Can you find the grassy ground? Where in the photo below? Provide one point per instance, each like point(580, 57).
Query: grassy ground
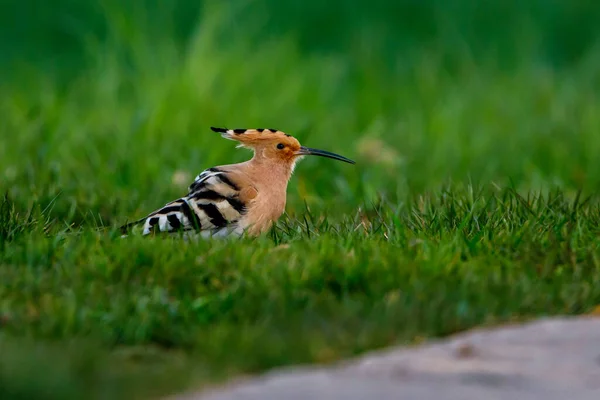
point(473, 200)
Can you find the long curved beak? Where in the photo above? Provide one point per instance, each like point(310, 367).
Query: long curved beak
point(307, 151)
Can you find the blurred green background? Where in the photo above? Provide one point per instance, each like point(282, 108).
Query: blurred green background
point(105, 109)
point(109, 102)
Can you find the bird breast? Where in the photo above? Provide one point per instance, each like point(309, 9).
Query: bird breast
point(263, 211)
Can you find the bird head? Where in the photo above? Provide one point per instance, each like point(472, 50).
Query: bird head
point(275, 145)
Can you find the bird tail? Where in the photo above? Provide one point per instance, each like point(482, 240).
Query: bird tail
point(127, 227)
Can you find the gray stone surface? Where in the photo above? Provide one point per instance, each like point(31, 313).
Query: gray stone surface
point(550, 359)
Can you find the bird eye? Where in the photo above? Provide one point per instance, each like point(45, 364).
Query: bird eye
point(280, 146)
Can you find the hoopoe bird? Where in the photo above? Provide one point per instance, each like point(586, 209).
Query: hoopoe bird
point(236, 199)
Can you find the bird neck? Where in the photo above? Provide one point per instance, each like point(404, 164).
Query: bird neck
point(273, 172)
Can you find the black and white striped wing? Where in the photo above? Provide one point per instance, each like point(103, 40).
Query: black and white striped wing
point(212, 207)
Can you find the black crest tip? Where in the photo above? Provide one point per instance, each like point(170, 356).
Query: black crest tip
point(221, 130)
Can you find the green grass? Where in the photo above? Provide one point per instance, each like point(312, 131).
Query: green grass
point(474, 200)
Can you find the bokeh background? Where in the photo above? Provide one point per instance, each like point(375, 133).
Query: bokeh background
point(106, 105)
point(105, 109)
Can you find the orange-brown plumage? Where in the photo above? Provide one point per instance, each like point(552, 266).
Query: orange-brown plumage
point(238, 198)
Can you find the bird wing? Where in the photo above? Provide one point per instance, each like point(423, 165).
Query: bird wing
point(214, 205)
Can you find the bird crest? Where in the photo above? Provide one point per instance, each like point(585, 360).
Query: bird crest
point(274, 144)
point(253, 137)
